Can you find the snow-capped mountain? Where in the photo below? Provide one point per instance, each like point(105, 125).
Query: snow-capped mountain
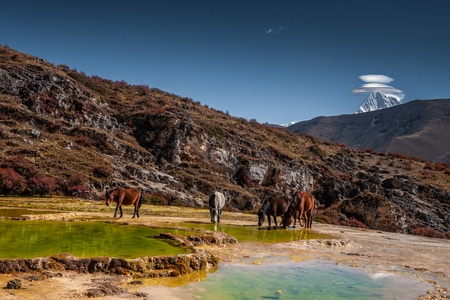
point(379, 100)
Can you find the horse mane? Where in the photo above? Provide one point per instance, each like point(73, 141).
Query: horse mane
point(266, 205)
point(294, 203)
point(211, 197)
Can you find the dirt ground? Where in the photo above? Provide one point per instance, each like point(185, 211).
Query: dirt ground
point(424, 257)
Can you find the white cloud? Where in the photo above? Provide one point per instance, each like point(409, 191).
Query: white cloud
point(279, 29)
point(377, 83)
point(376, 78)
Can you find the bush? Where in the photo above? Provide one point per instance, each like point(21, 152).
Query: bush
point(20, 164)
point(155, 199)
point(356, 223)
point(11, 182)
point(42, 185)
point(85, 141)
point(103, 171)
point(76, 180)
point(316, 150)
point(429, 232)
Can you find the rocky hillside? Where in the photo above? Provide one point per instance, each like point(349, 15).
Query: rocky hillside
point(61, 130)
point(418, 128)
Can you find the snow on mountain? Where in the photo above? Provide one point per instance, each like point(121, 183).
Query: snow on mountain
point(378, 100)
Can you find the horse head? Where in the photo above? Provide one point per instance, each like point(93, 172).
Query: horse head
point(263, 211)
point(109, 195)
point(214, 215)
point(261, 217)
point(288, 217)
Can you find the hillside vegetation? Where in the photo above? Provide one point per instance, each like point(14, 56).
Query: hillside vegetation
point(61, 131)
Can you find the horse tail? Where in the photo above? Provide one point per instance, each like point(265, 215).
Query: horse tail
point(141, 198)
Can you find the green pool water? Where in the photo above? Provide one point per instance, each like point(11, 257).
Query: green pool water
point(306, 280)
point(247, 234)
point(29, 239)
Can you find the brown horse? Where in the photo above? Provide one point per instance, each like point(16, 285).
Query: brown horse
point(301, 206)
point(123, 196)
point(272, 207)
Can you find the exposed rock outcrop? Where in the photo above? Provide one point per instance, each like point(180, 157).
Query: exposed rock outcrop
point(61, 130)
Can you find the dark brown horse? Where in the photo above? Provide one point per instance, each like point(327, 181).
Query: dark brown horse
point(272, 207)
point(123, 196)
point(301, 206)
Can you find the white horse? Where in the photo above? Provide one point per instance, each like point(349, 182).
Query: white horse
point(216, 204)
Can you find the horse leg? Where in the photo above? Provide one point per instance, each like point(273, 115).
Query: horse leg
point(299, 217)
point(121, 211)
point(115, 211)
point(219, 212)
point(309, 218)
point(136, 211)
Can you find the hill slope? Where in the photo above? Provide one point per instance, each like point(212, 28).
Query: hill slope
point(418, 128)
point(61, 130)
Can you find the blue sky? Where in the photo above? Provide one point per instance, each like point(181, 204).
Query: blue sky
point(273, 61)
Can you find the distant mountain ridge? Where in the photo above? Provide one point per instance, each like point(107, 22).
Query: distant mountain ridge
point(418, 128)
point(378, 100)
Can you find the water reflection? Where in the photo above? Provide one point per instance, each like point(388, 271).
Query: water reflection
point(269, 234)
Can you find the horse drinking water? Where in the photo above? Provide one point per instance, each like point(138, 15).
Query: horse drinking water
point(301, 206)
point(123, 196)
point(272, 207)
point(216, 204)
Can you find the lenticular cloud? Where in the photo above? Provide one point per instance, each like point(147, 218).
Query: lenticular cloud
point(378, 83)
point(376, 78)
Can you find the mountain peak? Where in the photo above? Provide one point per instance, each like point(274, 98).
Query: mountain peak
point(378, 100)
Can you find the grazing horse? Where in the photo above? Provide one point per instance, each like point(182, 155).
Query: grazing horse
point(123, 196)
point(272, 206)
point(301, 206)
point(216, 204)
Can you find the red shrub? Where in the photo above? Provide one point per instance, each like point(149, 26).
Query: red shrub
point(85, 141)
point(11, 182)
point(76, 179)
point(42, 185)
point(356, 223)
point(20, 164)
point(429, 232)
point(103, 171)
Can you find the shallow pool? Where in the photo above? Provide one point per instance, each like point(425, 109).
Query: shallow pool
point(305, 280)
point(29, 239)
point(245, 234)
